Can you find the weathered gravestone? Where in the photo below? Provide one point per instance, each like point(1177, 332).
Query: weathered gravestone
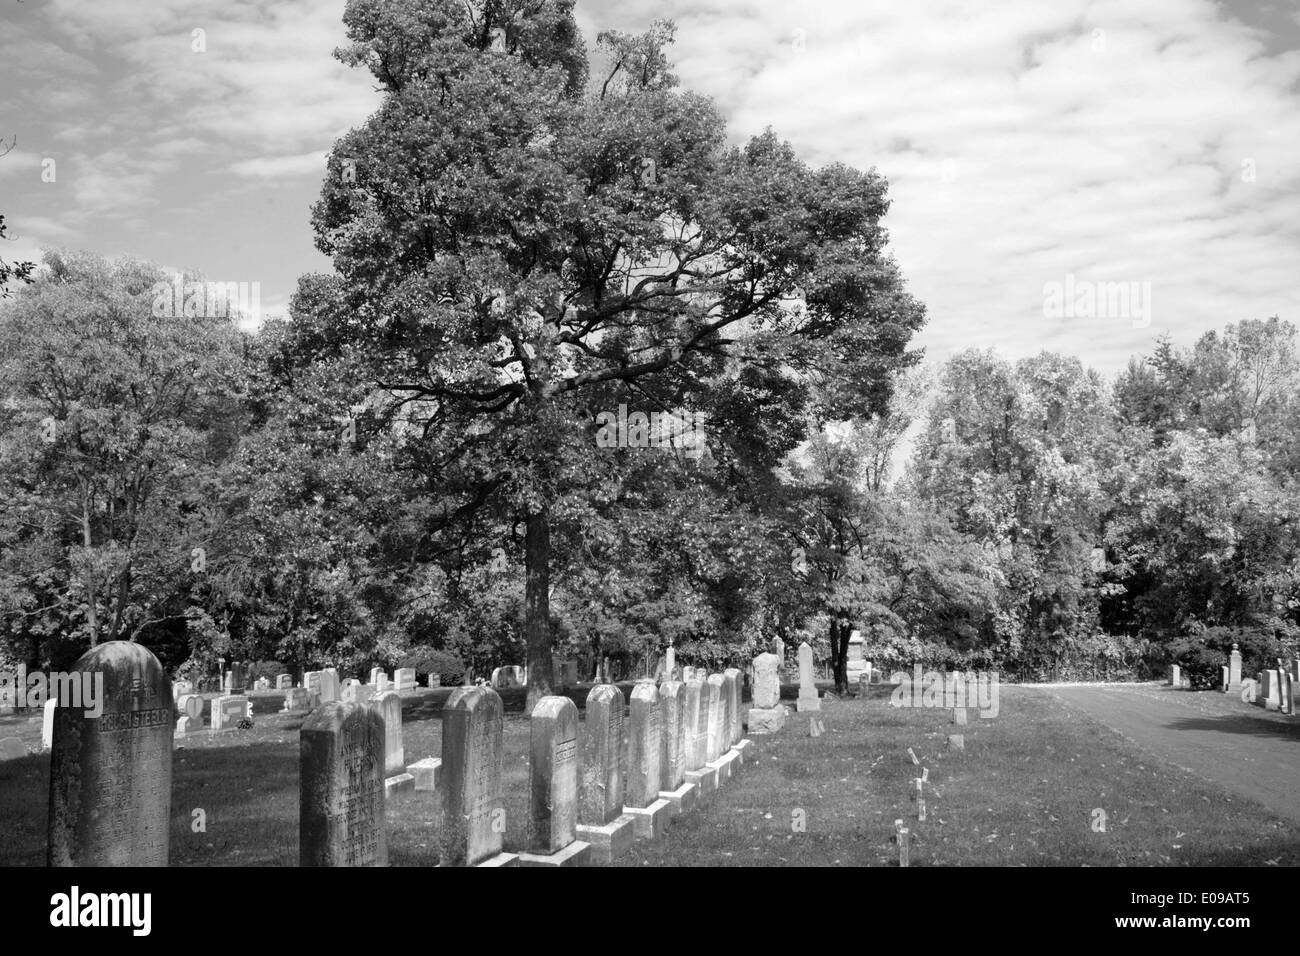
point(283, 681)
point(329, 685)
point(717, 717)
point(553, 732)
point(297, 698)
point(670, 662)
point(229, 710)
point(312, 681)
point(766, 715)
point(1269, 694)
point(672, 760)
point(600, 803)
point(698, 771)
point(341, 788)
point(404, 678)
point(189, 708)
point(111, 775)
point(180, 687)
point(650, 813)
point(731, 679)
point(473, 820)
point(1234, 671)
point(389, 707)
point(602, 746)
point(807, 688)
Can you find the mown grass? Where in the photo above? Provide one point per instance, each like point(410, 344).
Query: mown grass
point(1022, 793)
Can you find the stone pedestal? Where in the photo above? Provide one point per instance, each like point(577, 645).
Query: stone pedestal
point(576, 853)
point(766, 721)
point(425, 773)
point(608, 841)
point(650, 822)
point(682, 799)
point(705, 780)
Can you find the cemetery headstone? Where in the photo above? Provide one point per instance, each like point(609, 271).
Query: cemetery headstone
point(283, 681)
point(601, 800)
point(807, 689)
point(1234, 671)
point(473, 823)
point(229, 710)
point(341, 787)
point(404, 678)
point(554, 745)
point(645, 776)
point(766, 715)
point(672, 725)
point(389, 707)
point(694, 715)
point(47, 723)
point(111, 775)
point(731, 686)
point(717, 717)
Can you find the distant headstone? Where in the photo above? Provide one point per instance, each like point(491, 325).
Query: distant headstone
point(694, 716)
point(718, 745)
point(767, 681)
point(229, 710)
point(180, 687)
point(1227, 678)
point(191, 705)
point(1269, 694)
point(1249, 691)
point(601, 800)
point(283, 681)
point(341, 788)
point(297, 698)
point(111, 775)
point(554, 744)
point(473, 820)
point(329, 685)
point(404, 678)
point(706, 723)
point(778, 648)
point(1175, 676)
point(238, 678)
point(389, 707)
point(313, 681)
point(375, 674)
point(1234, 671)
point(807, 689)
point(261, 684)
point(672, 728)
point(644, 749)
point(731, 689)
point(670, 662)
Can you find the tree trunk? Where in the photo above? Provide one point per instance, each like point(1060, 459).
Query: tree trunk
point(537, 605)
point(839, 642)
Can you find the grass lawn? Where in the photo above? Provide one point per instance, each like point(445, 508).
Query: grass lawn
point(1021, 794)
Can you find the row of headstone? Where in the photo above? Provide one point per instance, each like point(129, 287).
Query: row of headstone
point(511, 675)
point(580, 803)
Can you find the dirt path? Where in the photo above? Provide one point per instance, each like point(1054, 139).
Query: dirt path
point(1237, 746)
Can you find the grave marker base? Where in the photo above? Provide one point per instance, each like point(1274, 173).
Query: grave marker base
point(705, 780)
point(576, 853)
point(399, 782)
point(610, 841)
point(426, 773)
point(650, 823)
point(766, 720)
point(682, 799)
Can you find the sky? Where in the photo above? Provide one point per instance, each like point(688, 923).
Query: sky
point(1037, 152)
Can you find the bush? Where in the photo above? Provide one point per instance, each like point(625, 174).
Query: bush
point(445, 664)
point(1201, 664)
